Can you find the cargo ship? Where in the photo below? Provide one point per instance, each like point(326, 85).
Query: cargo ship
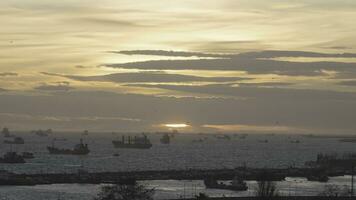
point(79, 149)
point(135, 143)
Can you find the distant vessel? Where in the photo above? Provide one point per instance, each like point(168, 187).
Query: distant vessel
point(336, 161)
point(12, 158)
point(352, 140)
point(17, 140)
point(43, 133)
point(27, 155)
point(137, 142)
point(79, 149)
point(223, 137)
point(198, 141)
point(86, 132)
point(165, 139)
point(236, 185)
point(5, 131)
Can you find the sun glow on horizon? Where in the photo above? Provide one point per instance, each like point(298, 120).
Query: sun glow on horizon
point(176, 125)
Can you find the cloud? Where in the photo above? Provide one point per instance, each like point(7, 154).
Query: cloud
point(226, 46)
point(151, 77)
point(78, 67)
point(168, 53)
point(250, 91)
point(319, 111)
point(276, 54)
point(245, 128)
point(65, 118)
point(107, 22)
point(348, 83)
point(252, 62)
point(57, 86)
point(8, 74)
point(338, 47)
point(265, 84)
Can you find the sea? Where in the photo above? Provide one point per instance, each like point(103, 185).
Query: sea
point(186, 151)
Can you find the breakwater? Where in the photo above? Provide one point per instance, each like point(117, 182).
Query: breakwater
point(7, 178)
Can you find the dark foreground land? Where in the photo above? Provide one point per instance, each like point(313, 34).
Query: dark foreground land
point(280, 198)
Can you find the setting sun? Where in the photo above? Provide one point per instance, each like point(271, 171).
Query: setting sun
point(176, 125)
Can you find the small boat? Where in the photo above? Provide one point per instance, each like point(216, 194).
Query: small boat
point(16, 140)
point(12, 158)
point(116, 155)
point(236, 185)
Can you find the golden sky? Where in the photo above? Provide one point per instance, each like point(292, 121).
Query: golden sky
point(227, 65)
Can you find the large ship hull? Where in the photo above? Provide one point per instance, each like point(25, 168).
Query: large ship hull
point(13, 142)
point(53, 150)
point(119, 144)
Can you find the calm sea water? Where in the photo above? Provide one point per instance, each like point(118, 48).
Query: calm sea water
point(182, 153)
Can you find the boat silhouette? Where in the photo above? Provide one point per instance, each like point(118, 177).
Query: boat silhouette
point(16, 140)
point(135, 143)
point(79, 149)
point(165, 139)
point(12, 158)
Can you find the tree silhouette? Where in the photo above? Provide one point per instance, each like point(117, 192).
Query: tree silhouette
point(125, 192)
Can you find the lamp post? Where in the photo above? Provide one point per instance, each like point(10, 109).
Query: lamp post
point(352, 180)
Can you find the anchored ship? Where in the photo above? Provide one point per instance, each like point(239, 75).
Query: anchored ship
point(165, 139)
point(344, 161)
point(135, 143)
point(17, 140)
point(5, 131)
point(79, 149)
point(27, 155)
point(12, 158)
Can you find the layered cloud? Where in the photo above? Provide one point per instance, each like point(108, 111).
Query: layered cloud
point(149, 77)
point(58, 86)
point(253, 63)
point(4, 74)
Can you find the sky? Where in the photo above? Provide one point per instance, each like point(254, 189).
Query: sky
point(242, 66)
